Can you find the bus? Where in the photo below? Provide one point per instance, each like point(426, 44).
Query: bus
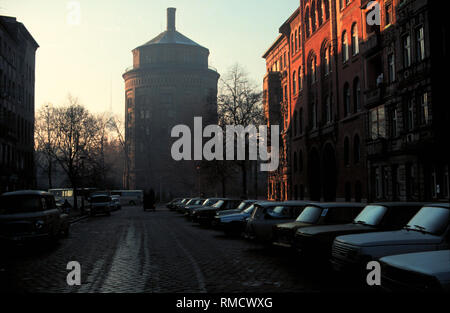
point(129, 197)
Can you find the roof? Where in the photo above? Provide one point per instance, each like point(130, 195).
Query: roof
point(399, 204)
point(171, 37)
point(273, 46)
point(27, 192)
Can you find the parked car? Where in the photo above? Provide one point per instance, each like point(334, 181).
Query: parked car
point(27, 215)
point(170, 204)
point(190, 208)
point(235, 223)
point(194, 201)
point(116, 201)
point(315, 214)
point(177, 204)
point(241, 207)
point(100, 204)
point(205, 215)
point(318, 240)
point(422, 271)
point(260, 224)
point(428, 230)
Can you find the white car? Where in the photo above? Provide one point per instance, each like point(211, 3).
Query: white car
point(422, 271)
point(428, 230)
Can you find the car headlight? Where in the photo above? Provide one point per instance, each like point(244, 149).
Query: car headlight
point(39, 224)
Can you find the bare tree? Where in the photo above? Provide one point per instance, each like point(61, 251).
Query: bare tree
point(239, 103)
point(75, 136)
point(45, 140)
point(117, 126)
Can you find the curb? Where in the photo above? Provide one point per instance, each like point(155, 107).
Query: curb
point(78, 219)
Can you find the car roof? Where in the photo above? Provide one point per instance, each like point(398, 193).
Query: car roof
point(27, 192)
point(399, 204)
point(338, 204)
point(297, 202)
point(438, 205)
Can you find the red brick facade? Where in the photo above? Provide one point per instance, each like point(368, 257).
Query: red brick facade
point(335, 87)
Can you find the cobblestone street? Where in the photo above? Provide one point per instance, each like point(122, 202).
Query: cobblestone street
point(137, 251)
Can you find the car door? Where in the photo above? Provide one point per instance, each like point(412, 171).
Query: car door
point(52, 213)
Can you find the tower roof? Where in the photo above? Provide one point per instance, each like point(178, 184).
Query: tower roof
point(171, 36)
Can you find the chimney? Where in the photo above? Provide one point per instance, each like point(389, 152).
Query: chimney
point(171, 19)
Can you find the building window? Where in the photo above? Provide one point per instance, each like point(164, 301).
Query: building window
point(377, 123)
point(355, 40)
point(292, 44)
point(319, 12)
point(346, 99)
point(420, 44)
point(328, 113)
point(295, 122)
point(313, 114)
point(326, 5)
point(312, 69)
point(307, 24)
point(409, 115)
point(300, 85)
point(294, 83)
point(346, 151)
point(388, 14)
point(391, 67)
point(356, 149)
point(299, 38)
point(357, 95)
point(406, 51)
point(424, 115)
point(296, 41)
point(344, 47)
point(394, 126)
point(300, 120)
point(326, 61)
point(313, 16)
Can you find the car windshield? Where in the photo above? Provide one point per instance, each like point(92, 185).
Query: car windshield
point(432, 220)
point(198, 202)
point(20, 204)
point(242, 205)
point(219, 204)
point(249, 210)
point(279, 210)
point(100, 199)
point(371, 215)
point(310, 215)
point(190, 202)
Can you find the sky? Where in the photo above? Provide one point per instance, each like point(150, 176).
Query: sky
point(86, 57)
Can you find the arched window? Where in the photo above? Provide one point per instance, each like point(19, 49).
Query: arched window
point(292, 44)
point(328, 113)
point(326, 6)
point(313, 113)
point(355, 39)
point(319, 12)
point(313, 16)
point(295, 121)
point(346, 99)
point(300, 161)
point(326, 61)
point(344, 47)
point(296, 40)
point(299, 38)
point(300, 84)
point(307, 24)
point(356, 95)
point(312, 69)
point(294, 83)
point(300, 121)
point(295, 162)
point(346, 151)
point(356, 149)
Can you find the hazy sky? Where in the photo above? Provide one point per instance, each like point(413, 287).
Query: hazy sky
point(88, 59)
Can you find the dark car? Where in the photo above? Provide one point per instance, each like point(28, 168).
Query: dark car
point(205, 215)
point(234, 223)
point(315, 214)
point(261, 222)
point(171, 204)
point(194, 201)
point(208, 202)
point(241, 207)
point(180, 203)
point(29, 214)
point(374, 218)
point(101, 204)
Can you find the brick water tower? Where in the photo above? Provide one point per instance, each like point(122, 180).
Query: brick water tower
point(169, 83)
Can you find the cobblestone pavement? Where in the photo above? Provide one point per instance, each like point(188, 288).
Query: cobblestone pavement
point(136, 251)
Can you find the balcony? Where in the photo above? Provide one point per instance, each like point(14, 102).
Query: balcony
point(374, 96)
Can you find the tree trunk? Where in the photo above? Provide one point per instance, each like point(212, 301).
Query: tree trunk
point(50, 183)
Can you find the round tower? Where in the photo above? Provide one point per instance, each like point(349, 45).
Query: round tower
point(169, 83)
